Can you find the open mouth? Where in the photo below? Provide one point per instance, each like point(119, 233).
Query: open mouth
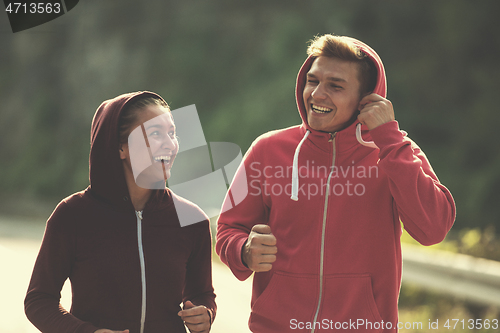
point(320, 109)
point(165, 159)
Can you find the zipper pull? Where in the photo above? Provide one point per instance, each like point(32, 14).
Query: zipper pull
point(332, 136)
point(139, 214)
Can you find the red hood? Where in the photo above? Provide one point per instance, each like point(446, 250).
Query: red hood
point(380, 87)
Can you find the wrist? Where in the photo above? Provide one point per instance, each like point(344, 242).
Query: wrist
point(244, 254)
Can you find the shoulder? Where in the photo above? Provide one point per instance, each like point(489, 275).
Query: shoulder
point(277, 136)
point(78, 208)
point(281, 140)
point(82, 204)
point(63, 217)
point(188, 212)
point(71, 202)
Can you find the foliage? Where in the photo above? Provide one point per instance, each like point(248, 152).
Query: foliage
point(474, 242)
point(419, 306)
point(237, 61)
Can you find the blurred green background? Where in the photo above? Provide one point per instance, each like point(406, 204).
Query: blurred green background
point(237, 61)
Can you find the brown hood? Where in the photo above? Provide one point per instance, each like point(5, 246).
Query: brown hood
point(107, 178)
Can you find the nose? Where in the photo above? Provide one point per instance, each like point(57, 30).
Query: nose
point(318, 92)
point(170, 142)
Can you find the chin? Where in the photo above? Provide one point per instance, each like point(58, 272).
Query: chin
point(321, 127)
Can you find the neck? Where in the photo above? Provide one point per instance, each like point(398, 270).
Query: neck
point(138, 195)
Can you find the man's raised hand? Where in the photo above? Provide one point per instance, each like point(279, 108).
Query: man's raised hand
point(375, 111)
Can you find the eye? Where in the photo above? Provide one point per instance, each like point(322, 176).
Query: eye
point(336, 87)
point(155, 133)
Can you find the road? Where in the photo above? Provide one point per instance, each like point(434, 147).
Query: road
point(19, 243)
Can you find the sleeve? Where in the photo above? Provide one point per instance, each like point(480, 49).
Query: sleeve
point(237, 218)
point(425, 206)
point(52, 268)
point(198, 288)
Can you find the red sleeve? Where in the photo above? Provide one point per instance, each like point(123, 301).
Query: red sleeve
point(199, 288)
point(234, 224)
point(52, 268)
point(424, 205)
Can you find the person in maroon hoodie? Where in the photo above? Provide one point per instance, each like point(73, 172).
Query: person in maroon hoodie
point(130, 262)
point(325, 202)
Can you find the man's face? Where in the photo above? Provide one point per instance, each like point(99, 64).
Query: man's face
point(331, 94)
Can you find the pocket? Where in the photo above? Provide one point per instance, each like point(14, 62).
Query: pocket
point(288, 298)
point(349, 298)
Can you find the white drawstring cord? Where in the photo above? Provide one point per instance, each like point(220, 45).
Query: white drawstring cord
point(370, 144)
point(295, 169)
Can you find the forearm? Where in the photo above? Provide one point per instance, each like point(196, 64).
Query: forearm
point(234, 225)
point(230, 242)
point(425, 206)
point(46, 314)
point(198, 285)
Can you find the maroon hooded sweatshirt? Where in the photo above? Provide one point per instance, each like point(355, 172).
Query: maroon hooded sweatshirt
point(127, 271)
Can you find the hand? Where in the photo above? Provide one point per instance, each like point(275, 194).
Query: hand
point(102, 330)
point(375, 111)
point(196, 318)
point(259, 251)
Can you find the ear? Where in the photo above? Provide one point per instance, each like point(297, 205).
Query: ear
point(123, 151)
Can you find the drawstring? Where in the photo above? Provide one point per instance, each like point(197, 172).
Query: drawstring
point(295, 169)
point(370, 144)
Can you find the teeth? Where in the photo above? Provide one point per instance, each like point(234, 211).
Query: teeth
point(162, 158)
point(320, 109)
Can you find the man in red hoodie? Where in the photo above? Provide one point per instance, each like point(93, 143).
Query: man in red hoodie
point(321, 220)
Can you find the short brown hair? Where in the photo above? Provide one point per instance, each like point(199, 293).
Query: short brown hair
point(343, 48)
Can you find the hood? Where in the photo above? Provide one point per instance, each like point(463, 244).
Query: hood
point(380, 87)
point(107, 178)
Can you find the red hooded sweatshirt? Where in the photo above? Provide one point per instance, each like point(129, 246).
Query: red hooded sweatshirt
point(127, 271)
point(339, 262)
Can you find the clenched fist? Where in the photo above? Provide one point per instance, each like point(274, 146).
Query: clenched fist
point(375, 111)
point(259, 251)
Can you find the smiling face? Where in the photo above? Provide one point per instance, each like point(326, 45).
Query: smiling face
point(152, 146)
point(331, 94)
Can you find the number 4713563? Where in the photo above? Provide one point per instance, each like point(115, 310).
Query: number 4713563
point(33, 8)
point(471, 324)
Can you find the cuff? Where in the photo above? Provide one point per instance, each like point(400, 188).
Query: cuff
point(387, 134)
point(239, 269)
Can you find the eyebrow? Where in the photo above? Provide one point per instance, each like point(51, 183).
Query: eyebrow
point(330, 78)
point(159, 126)
point(153, 126)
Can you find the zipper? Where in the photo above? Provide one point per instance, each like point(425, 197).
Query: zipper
point(322, 253)
point(143, 268)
